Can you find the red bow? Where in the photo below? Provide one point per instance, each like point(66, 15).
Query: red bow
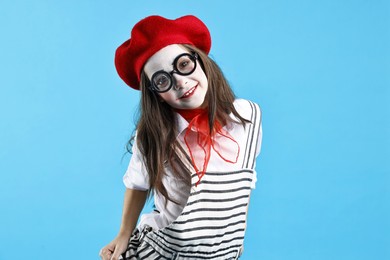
point(199, 141)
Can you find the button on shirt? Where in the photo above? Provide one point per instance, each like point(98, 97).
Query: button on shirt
point(136, 176)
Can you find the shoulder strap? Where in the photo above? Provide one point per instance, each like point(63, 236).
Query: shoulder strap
point(252, 136)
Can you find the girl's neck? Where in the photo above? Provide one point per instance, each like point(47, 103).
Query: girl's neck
point(189, 114)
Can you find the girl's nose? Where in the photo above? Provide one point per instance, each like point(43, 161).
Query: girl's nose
point(180, 81)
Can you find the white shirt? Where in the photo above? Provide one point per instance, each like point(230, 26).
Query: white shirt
point(136, 176)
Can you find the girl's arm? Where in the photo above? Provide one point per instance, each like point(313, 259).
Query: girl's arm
point(134, 201)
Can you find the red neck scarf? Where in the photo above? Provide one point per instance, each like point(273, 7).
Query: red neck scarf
point(199, 141)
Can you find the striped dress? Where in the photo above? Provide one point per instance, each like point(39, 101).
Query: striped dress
point(213, 222)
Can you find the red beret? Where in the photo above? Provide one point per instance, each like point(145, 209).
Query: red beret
point(150, 35)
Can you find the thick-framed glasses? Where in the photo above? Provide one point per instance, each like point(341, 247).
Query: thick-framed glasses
point(184, 65)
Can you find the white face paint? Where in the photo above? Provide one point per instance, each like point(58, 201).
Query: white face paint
point(190, 90)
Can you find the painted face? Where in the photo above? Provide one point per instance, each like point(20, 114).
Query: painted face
point(188, 91)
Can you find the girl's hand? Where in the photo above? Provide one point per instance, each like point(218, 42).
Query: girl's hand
point(115, 248)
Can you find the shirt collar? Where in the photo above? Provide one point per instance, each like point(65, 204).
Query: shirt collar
point(182, 124)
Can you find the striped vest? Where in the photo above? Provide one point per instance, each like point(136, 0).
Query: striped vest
point(213, 222)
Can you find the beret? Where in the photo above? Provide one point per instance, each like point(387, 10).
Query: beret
point(150, 35)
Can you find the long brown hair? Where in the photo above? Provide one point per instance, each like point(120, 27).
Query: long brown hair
point(157, 127)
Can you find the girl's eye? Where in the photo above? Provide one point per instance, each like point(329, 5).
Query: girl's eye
point(184, 64)
point(161, 81)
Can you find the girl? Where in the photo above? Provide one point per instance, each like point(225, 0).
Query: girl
point(195, 148)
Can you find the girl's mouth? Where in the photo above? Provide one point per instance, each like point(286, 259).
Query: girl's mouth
point(189, 93)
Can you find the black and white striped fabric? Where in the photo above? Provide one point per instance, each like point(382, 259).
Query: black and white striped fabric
point(213, 222)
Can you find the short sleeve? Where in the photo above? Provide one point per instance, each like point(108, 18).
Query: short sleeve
point(259, 139)
point(136, 176)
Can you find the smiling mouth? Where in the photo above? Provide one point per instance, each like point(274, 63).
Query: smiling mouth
point(189, 93)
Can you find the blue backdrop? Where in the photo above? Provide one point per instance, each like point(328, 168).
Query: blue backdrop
point(319, 69)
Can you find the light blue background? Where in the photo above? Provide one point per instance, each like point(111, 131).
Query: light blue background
point(319, 70)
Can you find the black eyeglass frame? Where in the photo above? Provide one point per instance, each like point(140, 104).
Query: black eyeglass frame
point(193, 56)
